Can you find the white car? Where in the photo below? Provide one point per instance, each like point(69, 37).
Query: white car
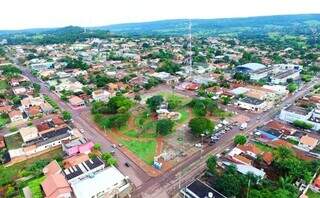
point(198, 145)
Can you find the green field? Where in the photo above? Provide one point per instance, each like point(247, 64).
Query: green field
point(14, 141)
point(35, 187)
point(3, 85)
point(145, 150)
point(184, 116)
point(263, 147)
point(312, 194)
point(3, 121)
point(169, 95)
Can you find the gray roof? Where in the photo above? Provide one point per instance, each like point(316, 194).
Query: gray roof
point(251, 66)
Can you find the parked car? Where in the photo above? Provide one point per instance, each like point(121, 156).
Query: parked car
point(198, 145)
point(127, 164)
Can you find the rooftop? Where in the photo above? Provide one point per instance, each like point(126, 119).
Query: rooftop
point(82, 168)
point(198, 189)
point(297, 110)
point(109, 178)
point(251, 66)
point(284, 74)
point(251, 100)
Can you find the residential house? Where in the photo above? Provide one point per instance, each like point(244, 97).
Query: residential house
point(75, 160)
point(101, 95)
point(2, 143)
point(76, 101)
point(30, 141)
point(19, 90)
point(15, 116)
point(76, 146)
point(308, 143)
point(55, 185)
point(46, 108)
point(29, 133)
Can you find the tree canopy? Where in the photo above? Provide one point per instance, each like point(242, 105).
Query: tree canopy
point(154, 102)
point(201, 125)
point(164, 126)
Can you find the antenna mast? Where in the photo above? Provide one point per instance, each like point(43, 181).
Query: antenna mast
point(190, 43)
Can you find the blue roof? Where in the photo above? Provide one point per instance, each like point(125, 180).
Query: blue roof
point(251, 66)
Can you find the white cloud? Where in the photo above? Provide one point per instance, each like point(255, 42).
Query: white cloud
point(17, 14)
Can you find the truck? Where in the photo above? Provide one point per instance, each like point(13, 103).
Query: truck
point(243, 126)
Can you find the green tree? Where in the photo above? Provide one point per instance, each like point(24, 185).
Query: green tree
point(240, 139)
point(212, 164)
point(154, 102)
point(164, 126)
point(112, 162)
point(119, 104)
point(292, 87)
point(303, 125)
point(173, 102)
point(97, 147)
point(226, 100)
point(169, 66)
point(200, 126)
point(66, 115)
point(36, 87)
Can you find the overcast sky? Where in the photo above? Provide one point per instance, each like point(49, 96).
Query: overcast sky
point(20, 14)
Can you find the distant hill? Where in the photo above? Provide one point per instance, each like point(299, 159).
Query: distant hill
point(250, 27)
point(68, 34)
point(226, 26)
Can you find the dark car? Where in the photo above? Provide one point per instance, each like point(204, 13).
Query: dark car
point(127, 164)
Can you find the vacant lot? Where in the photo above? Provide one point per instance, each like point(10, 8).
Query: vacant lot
point(145, 150)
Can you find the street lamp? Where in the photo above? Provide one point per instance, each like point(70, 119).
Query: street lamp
point(202, 135)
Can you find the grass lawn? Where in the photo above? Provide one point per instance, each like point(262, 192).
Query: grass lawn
point(176, 96)
point(13, 141)
point(3, 85)
point(221, 113)
point(184, 115)
point(3, 121)
point(263, 147)
point(312, 194)
point(35, 187)
point(142, 118)
point(145, 150)
point(131, 133)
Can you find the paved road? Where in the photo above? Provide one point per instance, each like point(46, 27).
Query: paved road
point(134, 172)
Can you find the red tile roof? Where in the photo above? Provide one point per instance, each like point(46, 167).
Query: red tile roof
point(267, 157)
point(57, 121)
point(251, 148)
point(282, 128)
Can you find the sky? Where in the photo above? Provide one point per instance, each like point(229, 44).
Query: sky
point(22, 14)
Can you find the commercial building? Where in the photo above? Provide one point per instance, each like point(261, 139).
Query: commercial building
point(198, 189)
point(251, 104)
